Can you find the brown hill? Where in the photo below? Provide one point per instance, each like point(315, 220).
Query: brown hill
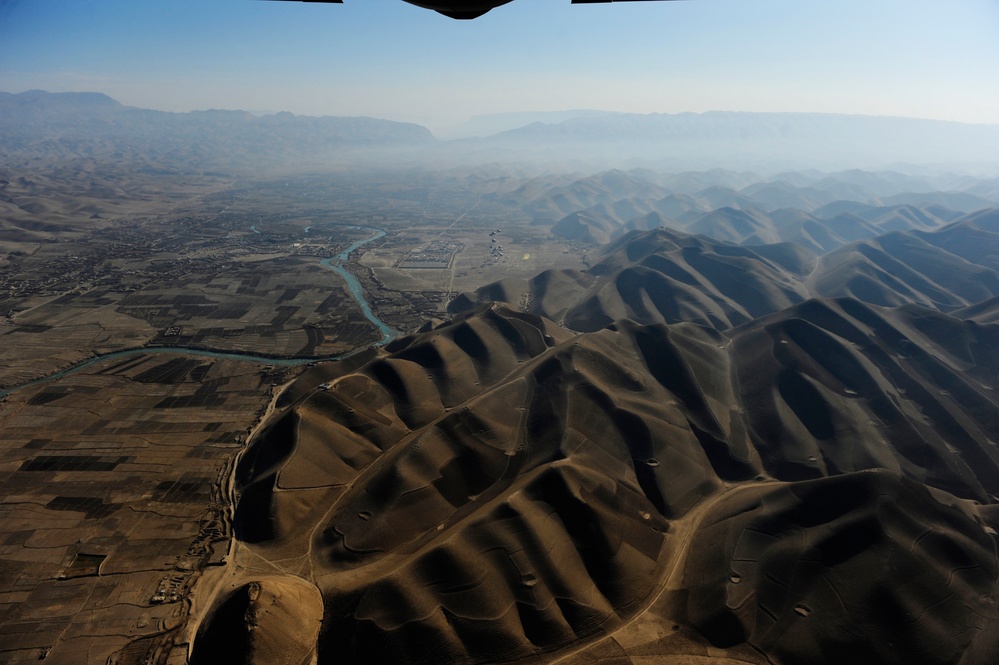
point(677, 206)
point(662, 276)
point(866, 567)
point(668, 276)
point(837, 386)
point(950, 268)
point(451, 505)
point(558, 199)
point(724, 197)
point(748, 223)
point(781, 194)
point(820, 211)
point(986, 311)
point(498, 489)
point(592, 228)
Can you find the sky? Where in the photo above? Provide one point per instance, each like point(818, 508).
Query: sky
point(384, 58)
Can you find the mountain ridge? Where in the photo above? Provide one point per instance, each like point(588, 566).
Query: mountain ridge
point(505, 489)
point(670, 276)
point(793, 139)
point(49, 128)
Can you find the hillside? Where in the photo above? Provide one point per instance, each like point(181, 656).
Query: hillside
point(670, 277)
point(500, 489)
point(693, 451)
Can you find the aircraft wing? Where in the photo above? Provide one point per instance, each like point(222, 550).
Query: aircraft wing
point(468, 9)
point(575, 2)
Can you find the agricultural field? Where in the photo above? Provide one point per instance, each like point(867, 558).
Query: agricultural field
point(116, 498)
point(118, 447)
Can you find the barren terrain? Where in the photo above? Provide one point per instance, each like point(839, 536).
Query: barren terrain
point(264, 411)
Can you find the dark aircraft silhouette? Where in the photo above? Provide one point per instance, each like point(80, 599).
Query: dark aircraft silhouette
point(467, 9)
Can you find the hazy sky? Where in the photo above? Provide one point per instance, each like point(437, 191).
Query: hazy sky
point(921, 58)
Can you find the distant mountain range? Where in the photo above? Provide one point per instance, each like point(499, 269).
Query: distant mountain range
point(760, 427)
point(817, 210)
point(42, 125)
point(798, 140)
point(495, 123)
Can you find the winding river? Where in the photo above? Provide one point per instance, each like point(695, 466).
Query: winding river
point(336, 264)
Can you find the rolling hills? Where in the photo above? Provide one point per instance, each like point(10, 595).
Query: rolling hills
point(670, 277)
point(693, 451)
point(757, 423)
point(499, 488)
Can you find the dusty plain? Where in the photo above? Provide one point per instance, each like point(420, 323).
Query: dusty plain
point(115, 501)
point(239, 269)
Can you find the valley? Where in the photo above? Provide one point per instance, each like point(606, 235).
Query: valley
point(426, 412)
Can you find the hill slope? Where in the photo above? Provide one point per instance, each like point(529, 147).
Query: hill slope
point(668, 276)
point(499, 489)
